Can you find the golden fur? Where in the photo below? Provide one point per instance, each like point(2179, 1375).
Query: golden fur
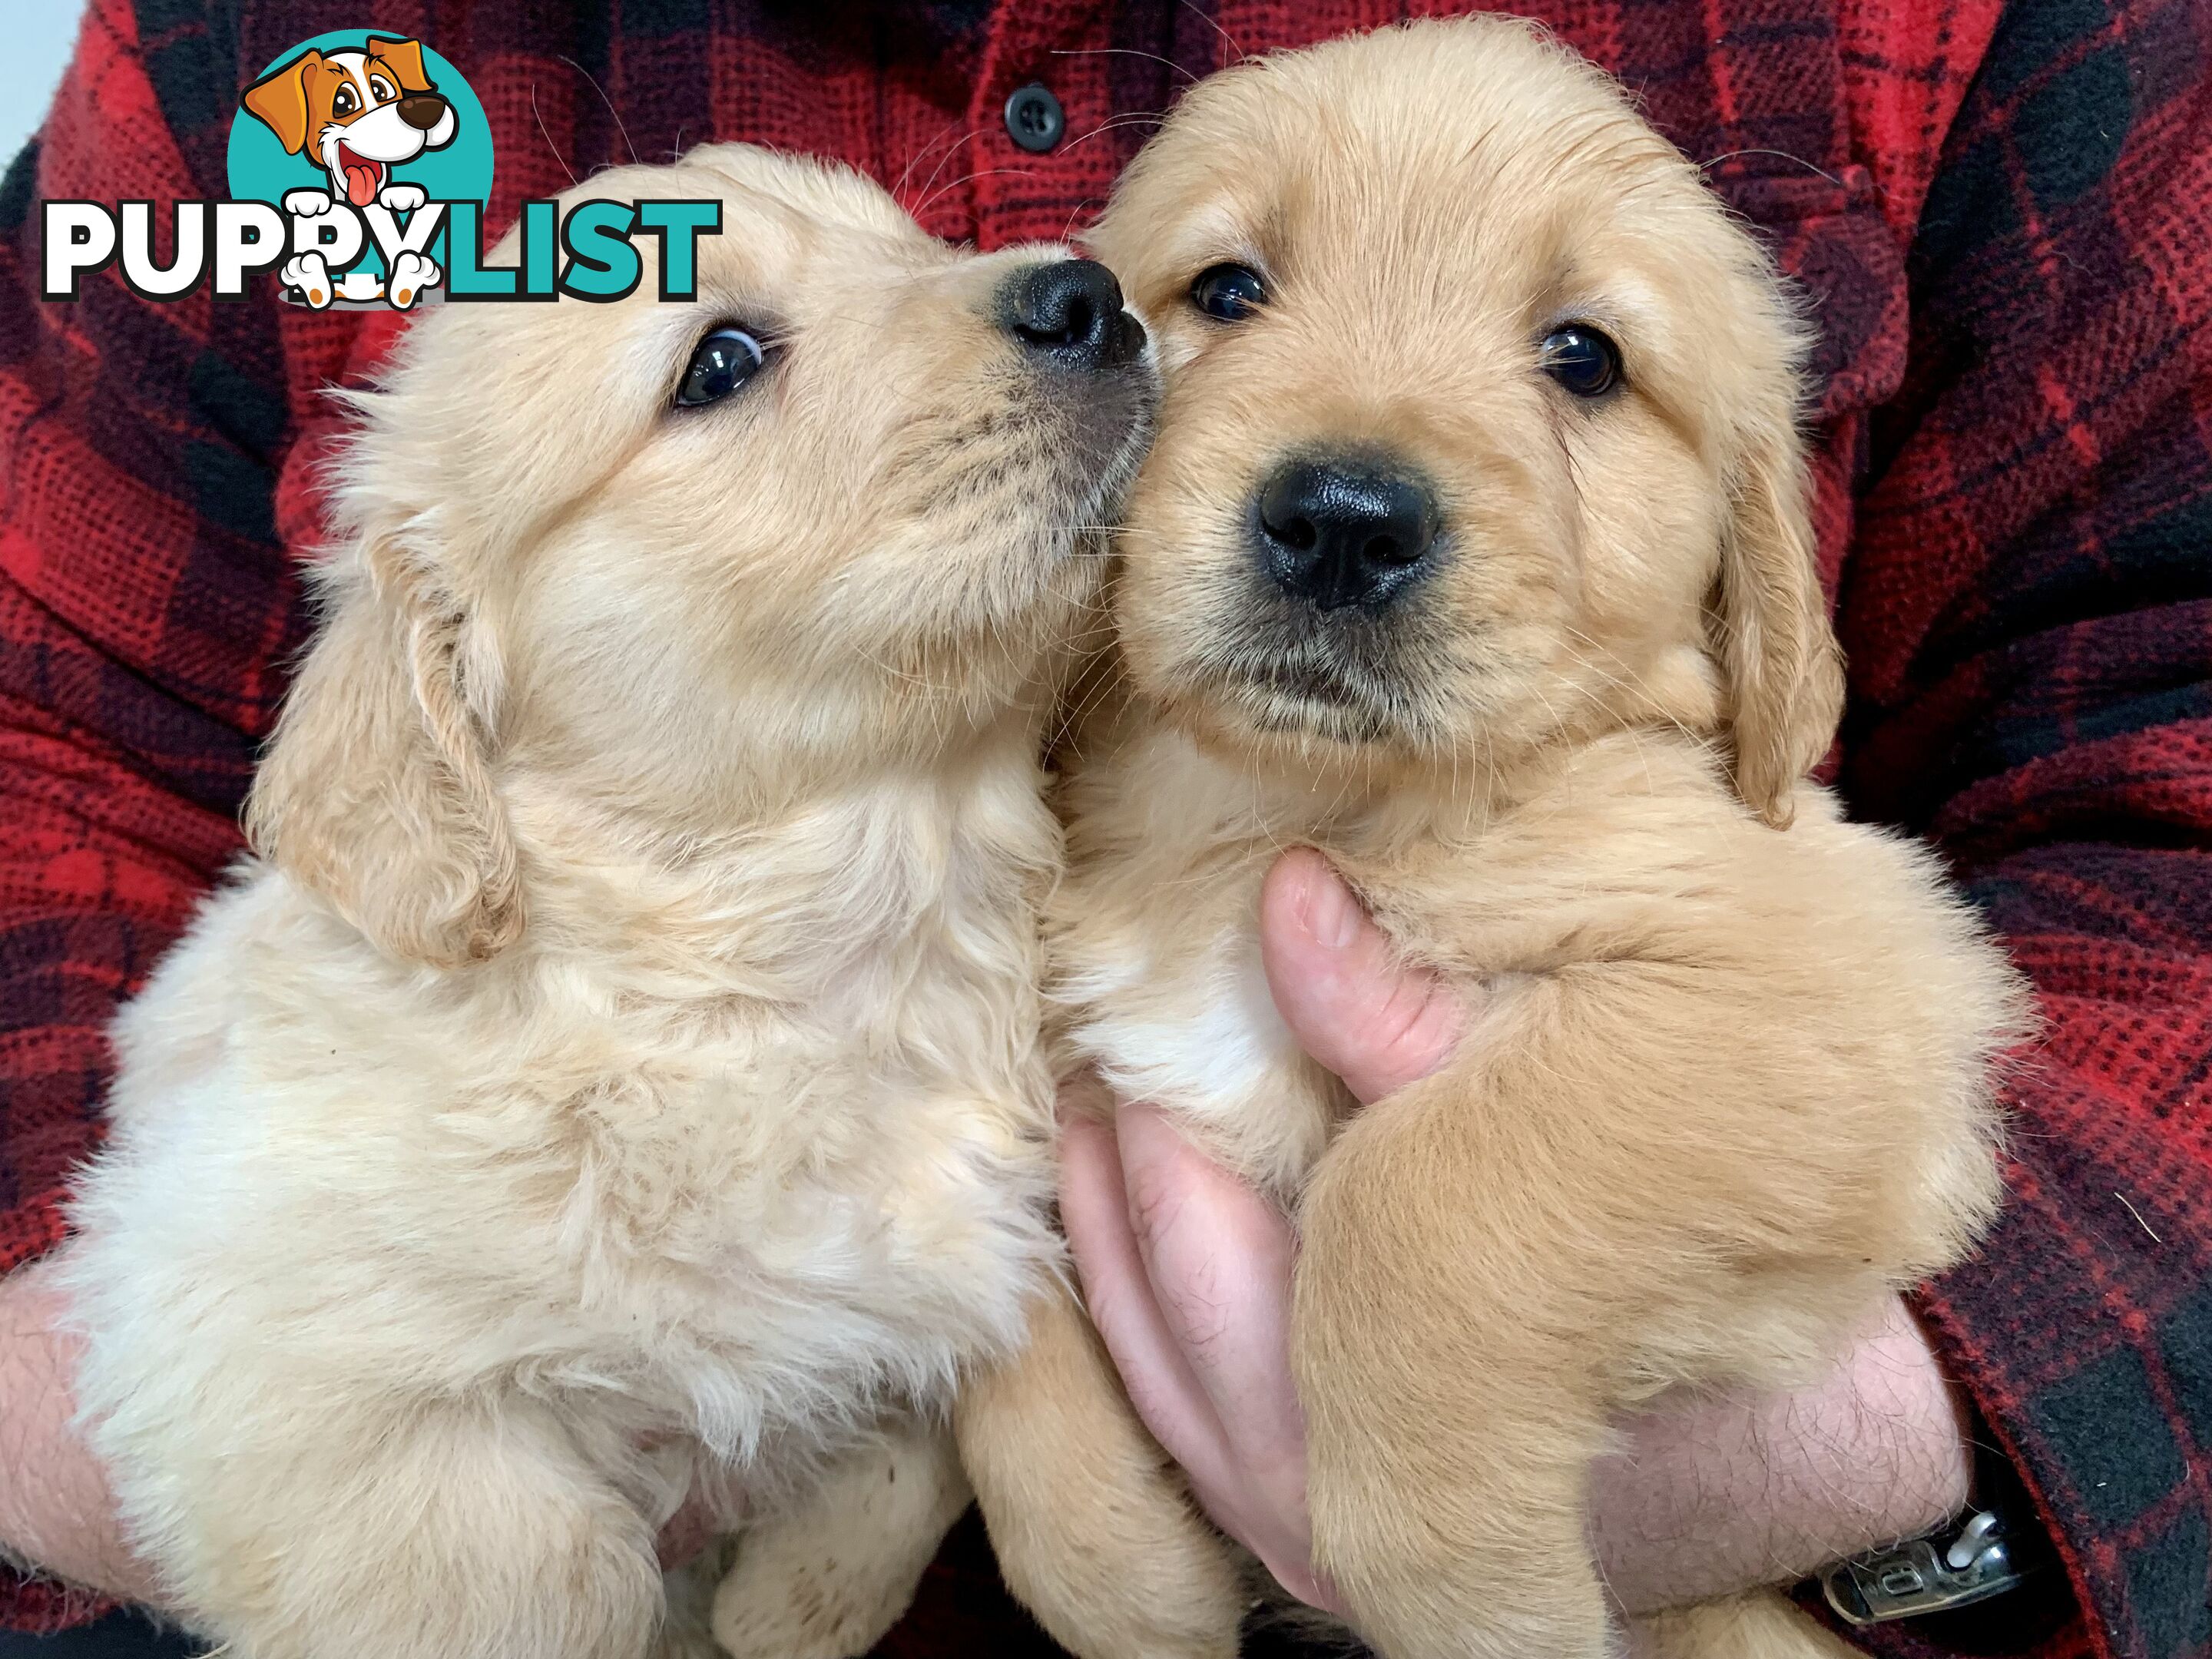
point(622, 1060)
point(1727, 1077)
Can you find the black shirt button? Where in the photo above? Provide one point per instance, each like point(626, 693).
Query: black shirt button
point(1035, 119)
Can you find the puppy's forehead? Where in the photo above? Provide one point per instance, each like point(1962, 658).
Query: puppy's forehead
point(798, 239)
point(1397, 156)
point(803, 245)
point(784, 217)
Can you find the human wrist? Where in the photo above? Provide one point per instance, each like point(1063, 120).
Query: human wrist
point(1705, 1496)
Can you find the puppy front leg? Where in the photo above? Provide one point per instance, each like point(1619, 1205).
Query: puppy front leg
point(1759, 1625)
point(1450, 1421)
point(1094, 1531)
point(407, 1530)
point(827, 1577)
point(1634, 1174)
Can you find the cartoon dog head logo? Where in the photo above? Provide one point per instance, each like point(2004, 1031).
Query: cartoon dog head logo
point(365, 142)
point(358, 114)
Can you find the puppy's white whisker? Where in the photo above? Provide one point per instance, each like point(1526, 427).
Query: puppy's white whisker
point(1125, 52)
point(936, 172)
point(1115, 124)
point(906, 173)
point(1227, 39)
point(1780, 155)
point(951, 184)
point(547, 137)
point(619, 125)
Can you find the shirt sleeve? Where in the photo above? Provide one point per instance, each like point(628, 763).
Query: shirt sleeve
point(2028, 610)
point(147, 607)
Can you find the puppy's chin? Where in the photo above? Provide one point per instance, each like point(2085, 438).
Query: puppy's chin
point(1262, 680)
point(1412, 691)
point(1288, 682)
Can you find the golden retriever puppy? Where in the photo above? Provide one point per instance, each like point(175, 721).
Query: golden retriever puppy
point(1473, 551)
point(621, 1063)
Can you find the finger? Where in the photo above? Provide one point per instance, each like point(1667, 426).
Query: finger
point(1156, 1373)
point(1376, 1023)
point(1218, 1257)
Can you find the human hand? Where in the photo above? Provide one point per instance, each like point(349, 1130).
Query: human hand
point(1187, 1274)
point(56, 1513)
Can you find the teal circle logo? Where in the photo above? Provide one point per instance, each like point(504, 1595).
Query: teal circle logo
point(371, 121)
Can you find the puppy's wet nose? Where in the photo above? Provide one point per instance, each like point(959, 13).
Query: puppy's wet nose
point(422, 110)
point(1343, 533)
point(1070, 310)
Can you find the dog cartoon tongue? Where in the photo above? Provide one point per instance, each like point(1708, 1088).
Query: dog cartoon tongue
point(360, 177)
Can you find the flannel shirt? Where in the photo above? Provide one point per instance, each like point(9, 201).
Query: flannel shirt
point(2001, 211)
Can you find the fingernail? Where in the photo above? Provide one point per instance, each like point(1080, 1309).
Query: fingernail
point(1332, 912)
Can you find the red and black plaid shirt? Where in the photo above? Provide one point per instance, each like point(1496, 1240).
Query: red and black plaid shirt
point(2002, 213)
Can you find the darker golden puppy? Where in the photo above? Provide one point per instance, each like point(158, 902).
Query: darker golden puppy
point(1473, 551)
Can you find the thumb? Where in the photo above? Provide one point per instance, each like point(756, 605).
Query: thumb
point(1374, 1021)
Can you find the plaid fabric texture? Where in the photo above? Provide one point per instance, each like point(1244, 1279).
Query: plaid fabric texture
point(2002, 215)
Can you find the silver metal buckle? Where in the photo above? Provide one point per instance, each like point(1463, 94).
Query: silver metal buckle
point(1924, 1576)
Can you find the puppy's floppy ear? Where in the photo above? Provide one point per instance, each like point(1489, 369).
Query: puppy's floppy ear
point(1779, 654)
point(405, 58)
point(279, 99)
point(374, 791)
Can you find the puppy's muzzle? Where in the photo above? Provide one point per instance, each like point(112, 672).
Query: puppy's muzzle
point(1069, 312)
point(422, 111)
point(1338, 532)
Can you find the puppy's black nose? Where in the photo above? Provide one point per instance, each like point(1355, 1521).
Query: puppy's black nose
point(1337, 533)
point(422, 110)
point(1071, 311)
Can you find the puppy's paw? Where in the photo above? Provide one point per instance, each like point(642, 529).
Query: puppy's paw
point(799, 1622)
point(411, 274)
point(403, 199)
point(1094, 1529)
point(308, 203)
point(307, 275)
point(1169, 1588)
point(830, 1577)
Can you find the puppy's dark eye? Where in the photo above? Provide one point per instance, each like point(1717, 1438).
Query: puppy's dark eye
point(720, 363)
point(344, 102)
point(1229, 292)
point(1581, 360)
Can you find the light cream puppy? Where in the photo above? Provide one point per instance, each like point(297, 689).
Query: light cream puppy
point(1473, 551)
point(622, 1060)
